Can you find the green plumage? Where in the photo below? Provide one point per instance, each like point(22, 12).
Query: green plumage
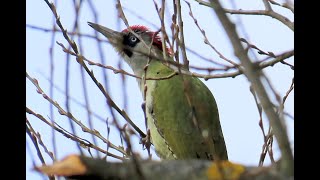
point(182, 116)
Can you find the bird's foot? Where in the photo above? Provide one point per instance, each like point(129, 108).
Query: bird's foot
point(146, 143)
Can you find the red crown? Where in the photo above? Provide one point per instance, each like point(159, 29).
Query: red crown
point(156, 38)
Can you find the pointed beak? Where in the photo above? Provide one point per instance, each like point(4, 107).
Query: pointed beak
point(114, 37)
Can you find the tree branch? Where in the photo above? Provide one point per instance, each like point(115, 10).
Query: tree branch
point(253, 74)
point(80, 167)
point(269, 13)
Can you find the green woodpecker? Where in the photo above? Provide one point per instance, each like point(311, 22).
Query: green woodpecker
point(181, 112)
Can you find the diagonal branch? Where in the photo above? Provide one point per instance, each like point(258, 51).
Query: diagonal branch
point(71, 136)
point(253, 74)
point(69, 115)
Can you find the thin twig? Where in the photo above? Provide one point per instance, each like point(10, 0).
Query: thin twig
point(70, 135)
point(288, 92)
point(164, 37)
point(51, 155)
point(64, 32)
point(47, 30)
point(77, 6)
point(75, 48)
point(206, 40)
point(75, 100)
point(290, 65)
point(285, 5)
point(33, 136)
point(37, 136)
point(174, 36)
point(101, 55)
point(69, 115)
point(265, 146)
point(242, 28)
point(181, 37)
point(272, 14)
point(175, 32)
point(127, 139)
point(106, 41)
point(34, 141)
point(80, 60)
point(116, 71)
point(110, 102)
point(269, 53)
point(261, 65)
point(51, 81)
point(32, 158)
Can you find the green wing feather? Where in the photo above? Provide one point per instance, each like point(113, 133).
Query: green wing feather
point(183, 117)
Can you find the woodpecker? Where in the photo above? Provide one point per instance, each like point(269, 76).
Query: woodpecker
point(182, 114)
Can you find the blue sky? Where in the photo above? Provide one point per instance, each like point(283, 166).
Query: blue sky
point(238, 113)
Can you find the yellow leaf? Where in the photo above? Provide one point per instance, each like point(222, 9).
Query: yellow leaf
point(70, 165)
point(225, 170)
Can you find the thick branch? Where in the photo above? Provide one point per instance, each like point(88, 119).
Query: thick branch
point(79, 167)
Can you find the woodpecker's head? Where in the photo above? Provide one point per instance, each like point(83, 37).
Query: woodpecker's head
point(129, 46)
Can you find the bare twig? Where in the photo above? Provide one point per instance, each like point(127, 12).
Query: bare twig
point(47, 30)
point(175, 32)
point(69, 115)
point(288, 92)
point(70, 135)
point(77, 7)
point(174, 36)
point(32, 136)
point(110, 102)
point(127, 139)
point(51, 155)
point(65, 35)
point(75, 100)
point(266, 145)
point(164, 37)
point(51, 81)
point(206, 40)
point(75, 48)
point(181, 37)
point(285, 5)
point(272, 14)
point(271, 54)
point(290, 65)
point(260, 65)
point(38, 137)
point(253, 75)
point(124, 19)
point(145, 89)
point(116, 71)
point(211, 69)
point(101, 54)
point(80, 61)
point(106, 41)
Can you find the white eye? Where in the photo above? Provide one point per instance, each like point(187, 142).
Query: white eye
point(133, 39)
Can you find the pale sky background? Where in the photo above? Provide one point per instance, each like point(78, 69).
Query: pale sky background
point(238, 113)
